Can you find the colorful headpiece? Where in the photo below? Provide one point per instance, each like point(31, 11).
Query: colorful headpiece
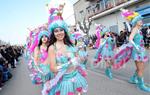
point(58, 24)
point(33, 40)
point(146, 25)
point(77, 35)
point(132, 17)
point(42, 33)
point(56, 20)
point(103, 29)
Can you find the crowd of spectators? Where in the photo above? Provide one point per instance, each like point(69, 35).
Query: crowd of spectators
point(146, 35)
point(121, 39)
point(9, 57)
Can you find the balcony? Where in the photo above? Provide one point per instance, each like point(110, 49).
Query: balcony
point(91, 0)
point(118, 2)
point(101, 6)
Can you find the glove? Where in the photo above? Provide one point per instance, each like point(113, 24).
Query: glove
point(39, 70)
point(74, 61)
point(63, 66)
point(101, 45)
point(136, 47)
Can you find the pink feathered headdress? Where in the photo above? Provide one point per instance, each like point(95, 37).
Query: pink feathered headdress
point(55, 14)
point(131, 16)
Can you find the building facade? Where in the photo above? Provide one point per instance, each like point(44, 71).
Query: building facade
point(107, 12)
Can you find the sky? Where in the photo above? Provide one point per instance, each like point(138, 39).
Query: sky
point(18, 15)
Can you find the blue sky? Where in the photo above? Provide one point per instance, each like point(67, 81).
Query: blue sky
point(17, 15)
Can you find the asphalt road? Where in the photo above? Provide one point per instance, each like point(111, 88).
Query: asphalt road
point(99, 84)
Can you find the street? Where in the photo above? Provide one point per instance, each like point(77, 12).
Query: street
point(41, 40)
point(99, 84)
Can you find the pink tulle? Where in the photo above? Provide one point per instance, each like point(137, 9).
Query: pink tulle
point(44, 55)
point(71, 93)
point(79, 89)
point(145, 59)
point(54, 18)
point(58, 93)
point(98, 59)
point(98, 37)
point(52, 10)
point(82, 71)
point(127, 51)
point(34, 44)
point(31, 33)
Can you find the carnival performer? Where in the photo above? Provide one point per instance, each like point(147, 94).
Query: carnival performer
point(32, 42)
point(97, 43)
point(134, 49)
point(64, 60)
point(83, 54)
point(82, 50)
point(40, 55)
point(106, 50)
point(40, 71)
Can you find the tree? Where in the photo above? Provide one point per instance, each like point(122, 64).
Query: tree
point(85, 26)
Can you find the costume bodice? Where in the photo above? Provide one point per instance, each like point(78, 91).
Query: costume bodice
point(64, 58)
point(110, 42)
point(43, 55)
point(138, 39)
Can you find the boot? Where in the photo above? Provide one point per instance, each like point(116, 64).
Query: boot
point(133, 79)
point(142, 86)
point(108, 72)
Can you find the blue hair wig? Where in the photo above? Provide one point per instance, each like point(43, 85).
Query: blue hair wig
point(146, 25)
point(44, 32)
point(104, 30)
point(58, 24)
point(136, 19)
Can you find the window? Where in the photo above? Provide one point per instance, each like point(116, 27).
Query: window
point(102, 5)
point(114, 28)
point(146, 19)
point(88, 9)
point(93, 8)
point(98, 5)
point(81, 14)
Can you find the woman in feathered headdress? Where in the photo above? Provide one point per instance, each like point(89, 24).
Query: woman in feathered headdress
point(63, 59)
point(97, 43)
point(43, 72)
point(106, 50)
point(136, 51)
point(39, 71)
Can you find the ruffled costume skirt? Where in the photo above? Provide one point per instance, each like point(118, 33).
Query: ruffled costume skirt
point(71, 83)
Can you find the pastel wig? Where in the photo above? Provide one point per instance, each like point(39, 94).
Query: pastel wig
point(136, 19)
point(104, 29)
point(58, 24)
point(42, 33)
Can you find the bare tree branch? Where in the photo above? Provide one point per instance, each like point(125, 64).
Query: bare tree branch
point(86, 25)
